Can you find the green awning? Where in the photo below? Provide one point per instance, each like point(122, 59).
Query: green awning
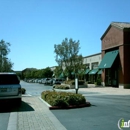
point(108, 59)
point(94, 71)
point(87, 70)
point(100, 72)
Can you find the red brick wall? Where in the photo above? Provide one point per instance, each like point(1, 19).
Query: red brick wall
point(113, 38)
point(117, 38)
point(121, 68)
point(127, 64)
point(126, 37)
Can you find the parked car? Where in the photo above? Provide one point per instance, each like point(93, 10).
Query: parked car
point(40, 81)
point(50, 82)
point(45, 81)
point(58, 81)
point(10, 87)
point(36, 81)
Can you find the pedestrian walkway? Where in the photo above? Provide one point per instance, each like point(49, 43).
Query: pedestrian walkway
point(35, 115)
point(100, 91)
point(106, 90)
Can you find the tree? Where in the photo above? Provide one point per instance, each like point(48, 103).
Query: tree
point(28, 73)
point(5, 63)
point(67, 56)
point(47, 72)
point(57, 71)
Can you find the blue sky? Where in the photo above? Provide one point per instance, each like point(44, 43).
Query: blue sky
point(34, 26)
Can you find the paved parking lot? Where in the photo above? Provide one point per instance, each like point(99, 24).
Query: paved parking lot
point(35, 115)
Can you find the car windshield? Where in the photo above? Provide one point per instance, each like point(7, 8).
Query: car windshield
point(9, 79)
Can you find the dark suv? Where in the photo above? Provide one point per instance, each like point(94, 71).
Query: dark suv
point(10, 87)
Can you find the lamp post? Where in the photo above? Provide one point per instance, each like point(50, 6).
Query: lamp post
point(76, 82)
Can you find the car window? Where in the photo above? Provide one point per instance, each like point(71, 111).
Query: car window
point(9, 79)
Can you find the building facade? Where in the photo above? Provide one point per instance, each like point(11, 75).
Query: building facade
point(115, 62)
point(92, 71)
point(92, 61)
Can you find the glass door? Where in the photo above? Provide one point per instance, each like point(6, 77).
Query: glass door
point(108, 80)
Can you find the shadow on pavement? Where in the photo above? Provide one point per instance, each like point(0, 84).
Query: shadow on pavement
point(25, 107)
point(11, 106)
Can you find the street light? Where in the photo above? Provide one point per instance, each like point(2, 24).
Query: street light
point(76, 82)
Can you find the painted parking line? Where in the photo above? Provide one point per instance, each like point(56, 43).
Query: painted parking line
point(26, 95)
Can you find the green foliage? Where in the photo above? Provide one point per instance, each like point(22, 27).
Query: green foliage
point(58, 70)
point(47, 72)
point(5, 63)
point(19, 74)
point(67, 56)
point(23, 90)
point(72, 82)
point(62, 98)
point(98, 81)
point(61, 87)
point(35, 73)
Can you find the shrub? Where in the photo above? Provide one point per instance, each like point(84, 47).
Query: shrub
point(72, 82)
point(23, 90)
point(63, 98)
point(98, 81)
point(61, 87)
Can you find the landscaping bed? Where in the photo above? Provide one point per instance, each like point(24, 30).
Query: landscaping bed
point(64, 86)
point(64, 100)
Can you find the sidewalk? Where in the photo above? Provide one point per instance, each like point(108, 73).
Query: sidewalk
point(100, 91)
point(106, 90)
point(33, 115)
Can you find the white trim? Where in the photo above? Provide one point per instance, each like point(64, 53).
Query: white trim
point(12, 124)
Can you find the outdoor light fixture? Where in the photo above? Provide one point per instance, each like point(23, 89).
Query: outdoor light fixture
point(76, 85)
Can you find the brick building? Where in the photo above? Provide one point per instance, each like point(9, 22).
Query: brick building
point(116, 55)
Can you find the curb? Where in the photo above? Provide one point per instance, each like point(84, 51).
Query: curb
point(12, 124)
point(70, 107)
point(88, 104)
point(45, 102)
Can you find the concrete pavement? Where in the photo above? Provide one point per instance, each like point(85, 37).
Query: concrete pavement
point(35, 115)
point(106, 90)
